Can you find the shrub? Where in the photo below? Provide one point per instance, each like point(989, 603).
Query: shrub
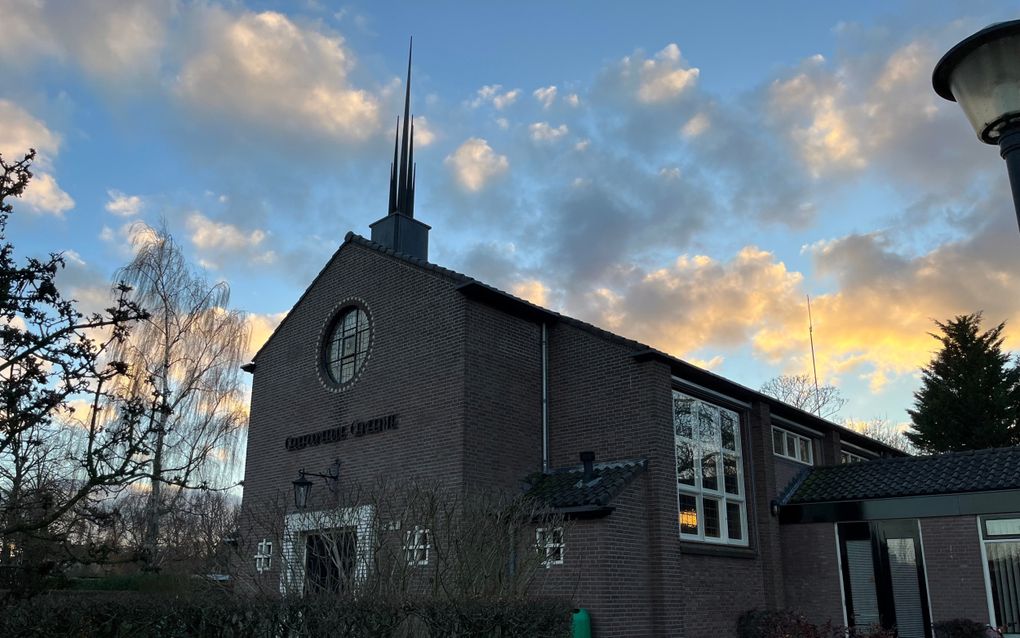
point(784, 623)
point(960, 628)
point(120, 615)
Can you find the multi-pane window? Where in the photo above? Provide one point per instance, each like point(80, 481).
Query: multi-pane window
point(264, 556)
point(850, 457)
point(347, 346)
point(416, 546)
point(709, 472)
point(550, 545)
point(1001, 549)
point(792, 446)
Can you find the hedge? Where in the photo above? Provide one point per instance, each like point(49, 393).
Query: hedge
point(785, 623)
point(124, 615)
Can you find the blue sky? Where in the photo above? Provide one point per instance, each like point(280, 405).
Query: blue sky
point(680, 173)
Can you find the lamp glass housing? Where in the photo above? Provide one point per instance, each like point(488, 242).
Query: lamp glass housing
point(983, 74)
point(302, 488)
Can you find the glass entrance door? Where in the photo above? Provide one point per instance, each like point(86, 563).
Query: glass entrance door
point(883, 576)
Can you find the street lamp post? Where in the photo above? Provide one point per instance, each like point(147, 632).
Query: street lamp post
point(982, 73)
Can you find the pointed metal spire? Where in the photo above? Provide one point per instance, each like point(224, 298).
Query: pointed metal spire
point(401, 171)
point(393, 170)
point(406, 147)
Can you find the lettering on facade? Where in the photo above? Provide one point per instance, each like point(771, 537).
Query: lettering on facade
point(343, 432)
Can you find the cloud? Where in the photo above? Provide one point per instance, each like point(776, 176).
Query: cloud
point(820, 130)
point(122, 204)
point(696, 125)
point(424, 134)
point(545, 96)
point(19, 133)
point(45, 196)
point(226, 241)
point(490, 94)
point(662, 78)
point(110, 40)
point(875, 323)
point(267, 70)
point(260, 327)
point(573, 100)
point(543, 132)
point(532, 290)
point(474, 163)
point(696, 301)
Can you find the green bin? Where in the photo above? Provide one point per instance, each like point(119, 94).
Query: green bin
point(581, 624)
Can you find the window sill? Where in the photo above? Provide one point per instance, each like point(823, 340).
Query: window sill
point(709, 549)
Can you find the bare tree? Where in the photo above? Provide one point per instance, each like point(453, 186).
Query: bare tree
point(185, 359)
point(799, 391)
point(52, 358)
point(883, 431)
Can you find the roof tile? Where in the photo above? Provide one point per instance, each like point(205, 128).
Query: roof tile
point(950, 473)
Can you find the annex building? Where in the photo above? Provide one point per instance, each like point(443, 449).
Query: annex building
point(687, 499)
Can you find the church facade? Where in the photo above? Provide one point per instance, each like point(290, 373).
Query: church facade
point(688, 499)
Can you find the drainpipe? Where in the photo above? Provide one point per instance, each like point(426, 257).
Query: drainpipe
point(545, 399)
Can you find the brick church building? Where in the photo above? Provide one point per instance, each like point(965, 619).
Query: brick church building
point(687, 498)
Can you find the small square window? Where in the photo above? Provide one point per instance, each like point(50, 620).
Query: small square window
point(416, 546)
point(550, 545)
point(264, 556)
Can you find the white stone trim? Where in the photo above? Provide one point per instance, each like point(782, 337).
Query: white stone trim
point(298, 525)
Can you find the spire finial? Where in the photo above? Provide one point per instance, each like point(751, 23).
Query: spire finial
point(403, 201)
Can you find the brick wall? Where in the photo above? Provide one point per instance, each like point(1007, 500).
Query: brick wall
point(503, 398)
point(414, 369)
point(956, 582)
point(465, 379)
point(811, 575)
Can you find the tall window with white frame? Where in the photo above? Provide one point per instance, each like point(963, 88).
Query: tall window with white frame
point(709, 472)
point(1000, 536)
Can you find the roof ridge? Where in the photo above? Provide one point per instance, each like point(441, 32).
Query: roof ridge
point(354, 238)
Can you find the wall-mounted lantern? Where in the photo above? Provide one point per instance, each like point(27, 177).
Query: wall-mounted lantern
point(303, 487)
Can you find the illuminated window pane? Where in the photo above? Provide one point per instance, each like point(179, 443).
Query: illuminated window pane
point(688, 514)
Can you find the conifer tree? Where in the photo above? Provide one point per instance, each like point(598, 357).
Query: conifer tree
point(970, 392)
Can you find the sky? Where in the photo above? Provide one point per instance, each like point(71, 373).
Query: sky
point(684, 174)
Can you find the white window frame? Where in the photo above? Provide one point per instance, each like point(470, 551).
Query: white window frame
point(264, 556)
point(784, 453)
point(850, 457)
point(990, 539)
point(698, 445)
point(417, 545)
point(551, 550)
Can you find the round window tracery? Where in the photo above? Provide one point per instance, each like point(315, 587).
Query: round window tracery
point(347, 345)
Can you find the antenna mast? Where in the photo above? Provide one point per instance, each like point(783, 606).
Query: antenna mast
point(814, 368)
